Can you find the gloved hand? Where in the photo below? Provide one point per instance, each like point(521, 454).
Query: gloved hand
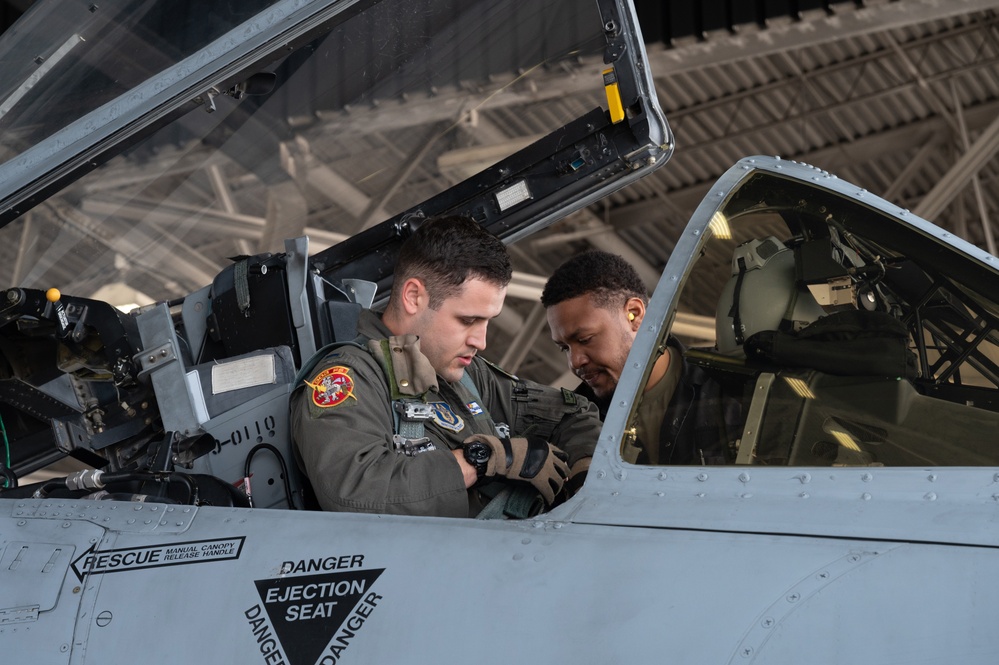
point(531, 459)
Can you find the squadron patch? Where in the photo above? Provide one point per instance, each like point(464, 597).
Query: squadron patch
point(446, 417)
point(332, 387)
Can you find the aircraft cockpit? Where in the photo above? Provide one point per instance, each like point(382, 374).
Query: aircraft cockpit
point(240, 182)
point(830, 328)
point(835, 333)
point(240, 177)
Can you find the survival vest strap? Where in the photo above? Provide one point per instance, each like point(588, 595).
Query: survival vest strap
point(506, 500)
point(409, 412)
point(500, 430)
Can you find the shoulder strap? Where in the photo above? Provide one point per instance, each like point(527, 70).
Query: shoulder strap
point(409, 410)
point(514, 501)
point(466, 380)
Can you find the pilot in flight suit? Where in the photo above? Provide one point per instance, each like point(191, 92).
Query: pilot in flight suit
point(343, 425)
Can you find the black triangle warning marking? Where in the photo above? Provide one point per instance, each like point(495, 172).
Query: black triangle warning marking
point(307, 611)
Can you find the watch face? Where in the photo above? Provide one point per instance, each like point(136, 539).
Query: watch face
point(477, 453)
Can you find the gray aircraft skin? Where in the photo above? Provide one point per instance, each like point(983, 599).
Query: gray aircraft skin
point(856, 521)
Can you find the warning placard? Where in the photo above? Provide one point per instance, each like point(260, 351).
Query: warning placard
point(135, 558)
point(307, 612)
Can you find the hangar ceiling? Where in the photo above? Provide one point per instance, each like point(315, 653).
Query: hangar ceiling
point(900, 97)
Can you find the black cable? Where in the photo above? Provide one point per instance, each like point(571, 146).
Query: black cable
point(284, 469)
point(103, 480)
point(44, 490)
point(10, 478)
point(192, 487)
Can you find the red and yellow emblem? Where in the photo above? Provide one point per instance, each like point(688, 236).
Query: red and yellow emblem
point(332, 386)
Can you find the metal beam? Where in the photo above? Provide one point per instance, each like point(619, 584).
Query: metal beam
point(221, 188)
point(25, 249)
point(833, 158)
point(983, 211)
point(521, 344)
point(462, 163)
point(299, 161)
point(603, 236)
point(585, 77)
point(140, 248)
point(959, 176)
point(375, 210)
point(525, 286)
point(287, 211)
point(912, 168)
point(245, 227)
point(848, 23)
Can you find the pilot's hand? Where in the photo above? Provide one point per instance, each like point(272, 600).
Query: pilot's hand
point(469, 473)
point(531, 459)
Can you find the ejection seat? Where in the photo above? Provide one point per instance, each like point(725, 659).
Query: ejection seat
point(243, 339)
point(833, 388)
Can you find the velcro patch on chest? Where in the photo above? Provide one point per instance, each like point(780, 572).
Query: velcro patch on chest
point(445, 417)
point(568, 397)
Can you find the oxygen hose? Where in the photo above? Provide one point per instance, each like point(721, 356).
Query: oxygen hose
point(96, 479)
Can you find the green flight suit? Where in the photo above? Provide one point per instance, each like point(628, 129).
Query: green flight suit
point(342, 425)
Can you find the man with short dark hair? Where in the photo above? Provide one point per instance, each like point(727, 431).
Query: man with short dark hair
point(595, 304)
point(409, 419)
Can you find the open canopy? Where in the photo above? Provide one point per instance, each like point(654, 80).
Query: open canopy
point(143, 143)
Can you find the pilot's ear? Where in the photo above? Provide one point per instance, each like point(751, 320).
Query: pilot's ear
point(634, 311)
point(413, 295)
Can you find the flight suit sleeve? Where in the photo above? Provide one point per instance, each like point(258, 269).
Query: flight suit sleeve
point(344, 439)
point(574, 422)
point(564, 419)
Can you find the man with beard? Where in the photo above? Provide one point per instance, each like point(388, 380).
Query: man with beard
point(595, 303)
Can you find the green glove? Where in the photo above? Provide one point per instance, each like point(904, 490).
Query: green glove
point(530, 459)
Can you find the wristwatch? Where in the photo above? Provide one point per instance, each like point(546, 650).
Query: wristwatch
point(477, 454)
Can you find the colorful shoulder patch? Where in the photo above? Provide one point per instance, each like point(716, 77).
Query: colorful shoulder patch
point(332, 386)
point(445, 416)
